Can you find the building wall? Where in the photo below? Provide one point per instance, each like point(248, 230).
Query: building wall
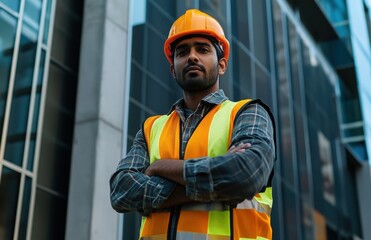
point(99, 118)
point(360, 22)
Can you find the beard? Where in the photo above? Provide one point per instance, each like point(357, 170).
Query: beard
point(198, 81)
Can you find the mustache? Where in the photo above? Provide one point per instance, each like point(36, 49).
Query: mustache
point(192, 65)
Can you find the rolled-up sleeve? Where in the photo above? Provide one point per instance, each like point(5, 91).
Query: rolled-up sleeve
point(236, 176)
point(131, 189)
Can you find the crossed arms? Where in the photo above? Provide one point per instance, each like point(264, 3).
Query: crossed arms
point(241, 173)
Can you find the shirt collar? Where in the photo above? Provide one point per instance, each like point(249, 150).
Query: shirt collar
point(214, 98)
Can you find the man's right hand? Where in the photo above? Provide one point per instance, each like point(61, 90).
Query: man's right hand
point(239, 148)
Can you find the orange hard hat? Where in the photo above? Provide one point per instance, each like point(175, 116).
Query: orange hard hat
point(195, 22)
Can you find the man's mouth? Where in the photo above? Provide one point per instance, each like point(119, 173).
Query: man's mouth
point(192, 68)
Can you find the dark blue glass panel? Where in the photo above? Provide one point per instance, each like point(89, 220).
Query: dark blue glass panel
point(8, 26)
point(25, 208)
point(9, 189)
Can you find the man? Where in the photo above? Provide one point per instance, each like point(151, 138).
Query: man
point(204, 170)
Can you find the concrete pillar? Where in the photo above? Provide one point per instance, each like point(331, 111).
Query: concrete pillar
point(99, 120)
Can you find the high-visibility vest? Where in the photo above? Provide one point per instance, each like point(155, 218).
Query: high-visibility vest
point(250, 219)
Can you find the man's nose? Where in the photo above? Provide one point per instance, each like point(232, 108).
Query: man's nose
point(193, 55)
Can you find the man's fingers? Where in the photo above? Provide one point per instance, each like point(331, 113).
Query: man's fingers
point(239, 148)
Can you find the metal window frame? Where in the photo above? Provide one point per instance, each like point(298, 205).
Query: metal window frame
point(29, 125)
point(47, 49)
point(23, 171)
point(11, 85)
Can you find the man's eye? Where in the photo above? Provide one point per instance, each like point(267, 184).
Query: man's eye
point(180, 52)
point(204, 50)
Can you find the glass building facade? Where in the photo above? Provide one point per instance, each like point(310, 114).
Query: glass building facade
point(39, 52)
point(309, 61)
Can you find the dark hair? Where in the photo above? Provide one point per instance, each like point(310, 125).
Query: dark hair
point(214, 41)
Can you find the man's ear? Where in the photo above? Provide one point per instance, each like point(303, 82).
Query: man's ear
point(223, 65)
point(172, 70)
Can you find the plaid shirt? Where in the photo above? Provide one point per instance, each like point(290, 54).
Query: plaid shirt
point(229, 178)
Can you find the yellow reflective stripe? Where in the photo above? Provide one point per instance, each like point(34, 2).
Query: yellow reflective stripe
point(142, 225)
point(265, 197)
point(219, 223)
point(158, 125)
point(218, 142)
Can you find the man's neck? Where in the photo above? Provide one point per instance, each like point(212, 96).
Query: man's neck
point(192, 99)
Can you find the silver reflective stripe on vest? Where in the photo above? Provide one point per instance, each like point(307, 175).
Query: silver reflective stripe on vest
point(253, 204)
point(155, 237)
point(199, 236)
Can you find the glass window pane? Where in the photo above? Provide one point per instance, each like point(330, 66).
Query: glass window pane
point(285, 114)
point(294, 64)
point(291, 215)
point(308, 228)
point(47, 22)
point(25, 208)
point(242, 81)
point(9, 188)
point(54, 166)
point(260, 32)
point(304, 175)
point(160, 20)
point(136, 117)
point(32, 13)
point(240, 26)
point(55, 153)
point(15, 140)
point(263, 86)
point(50, 211)
point(137, 44)
point(160, 97)
point(67, 33)
point(132, 221)
point(36, 113)
point(160, 70)
point(13, 4)
point(8, 26)
point(22, 89)
point(136, 86)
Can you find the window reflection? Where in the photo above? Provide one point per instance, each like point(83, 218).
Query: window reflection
point(9, 188)
point(260, 32)
point(240, 26)
point(263, 85)
point(285, 115)
point(23, 83)
point(35, 117)
point(50, 211)
point(32, 13)
point(13, 4)
point(17, 130)
point(8, 28)
point(47, 22)
point(25, 208)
